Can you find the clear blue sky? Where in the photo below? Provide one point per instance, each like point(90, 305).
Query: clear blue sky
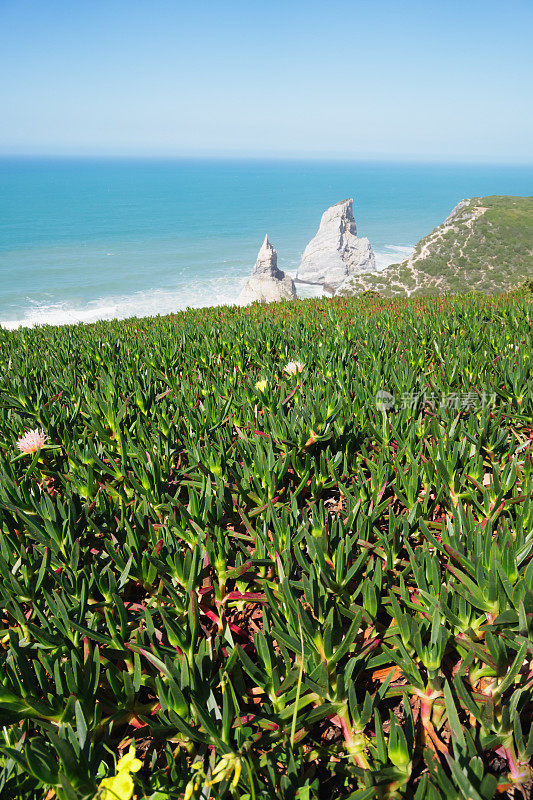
point(385, 79)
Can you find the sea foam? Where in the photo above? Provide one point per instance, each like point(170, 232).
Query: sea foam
point(200, 294)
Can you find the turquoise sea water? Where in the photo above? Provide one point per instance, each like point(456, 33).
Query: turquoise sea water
point(93, 239)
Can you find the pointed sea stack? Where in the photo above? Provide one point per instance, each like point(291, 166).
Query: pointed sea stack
point(336, 253)
point(267, 283)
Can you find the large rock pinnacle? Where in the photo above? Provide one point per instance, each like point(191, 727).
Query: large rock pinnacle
point(267, 261)
point(336, 253)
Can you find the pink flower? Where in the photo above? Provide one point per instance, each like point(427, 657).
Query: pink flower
point(32, 441)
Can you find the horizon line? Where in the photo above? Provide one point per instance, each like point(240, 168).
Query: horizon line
point(433, 160)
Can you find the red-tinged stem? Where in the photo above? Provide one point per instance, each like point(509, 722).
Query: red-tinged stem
point(426, 707)
point(354, 742)
point(519, 773)
point(427, 699)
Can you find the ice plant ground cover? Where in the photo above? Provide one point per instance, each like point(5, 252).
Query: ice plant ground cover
point(271, 585)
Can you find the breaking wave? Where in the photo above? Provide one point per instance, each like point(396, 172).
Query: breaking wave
point(199, 294)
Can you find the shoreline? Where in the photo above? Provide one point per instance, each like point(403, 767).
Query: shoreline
point(155, 301)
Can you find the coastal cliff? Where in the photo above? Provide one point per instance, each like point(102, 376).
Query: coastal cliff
point(485, 244)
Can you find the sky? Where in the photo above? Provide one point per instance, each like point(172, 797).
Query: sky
point(349, 79)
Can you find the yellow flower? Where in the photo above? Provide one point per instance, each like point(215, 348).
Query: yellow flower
point(129, 763)
point(262, 385)
point(120, 786)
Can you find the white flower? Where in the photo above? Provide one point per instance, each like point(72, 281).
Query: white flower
point(32, 441)
point(293, 367)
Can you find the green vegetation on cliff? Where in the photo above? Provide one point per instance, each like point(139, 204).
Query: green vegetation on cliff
point(486, 244)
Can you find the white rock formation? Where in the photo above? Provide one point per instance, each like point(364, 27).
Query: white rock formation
point(267, 283)
point(336, 253)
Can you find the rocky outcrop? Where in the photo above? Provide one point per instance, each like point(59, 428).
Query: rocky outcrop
point(267, 283)
point(336, 253)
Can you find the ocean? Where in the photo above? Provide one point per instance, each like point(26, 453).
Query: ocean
point(82, 240)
